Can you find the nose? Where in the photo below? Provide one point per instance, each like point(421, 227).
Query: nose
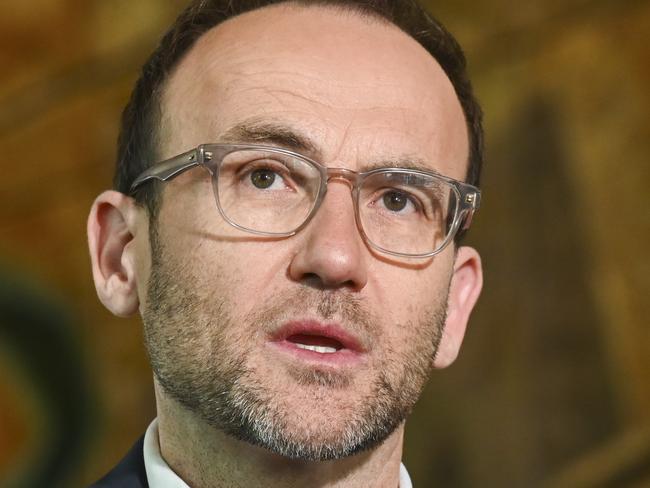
point(331, 250)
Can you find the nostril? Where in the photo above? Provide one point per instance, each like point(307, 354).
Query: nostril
point(313, 280)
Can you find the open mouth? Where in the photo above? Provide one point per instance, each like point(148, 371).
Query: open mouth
point(316, 343)
point(311, 340)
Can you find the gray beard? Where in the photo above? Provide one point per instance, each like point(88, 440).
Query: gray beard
point(219, 388)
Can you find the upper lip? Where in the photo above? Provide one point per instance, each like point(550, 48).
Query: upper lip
point(332, 331)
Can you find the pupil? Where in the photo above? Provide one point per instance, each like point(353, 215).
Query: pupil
point(395, 201)
point(262, 178)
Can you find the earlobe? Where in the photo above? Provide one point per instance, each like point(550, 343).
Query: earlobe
point(111, 230)
point(466, 284)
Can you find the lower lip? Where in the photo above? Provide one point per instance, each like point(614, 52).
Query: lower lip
point(341, 358)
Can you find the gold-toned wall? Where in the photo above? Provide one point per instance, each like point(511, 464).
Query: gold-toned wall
point(553, 385)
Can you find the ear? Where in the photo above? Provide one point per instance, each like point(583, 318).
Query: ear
point(466, 284)
point(111, 231)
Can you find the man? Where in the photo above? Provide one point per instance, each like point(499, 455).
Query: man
point(291, 186)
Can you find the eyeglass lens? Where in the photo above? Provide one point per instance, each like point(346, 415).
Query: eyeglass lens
point(274, 193)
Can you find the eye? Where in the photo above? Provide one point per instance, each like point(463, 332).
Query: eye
point(265, 175)
point(263, 178)
point(399, 202)
point(395, 201)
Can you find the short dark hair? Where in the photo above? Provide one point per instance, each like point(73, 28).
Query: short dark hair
point(138, 142)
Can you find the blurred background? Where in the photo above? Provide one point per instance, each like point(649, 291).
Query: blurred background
point(552, 387)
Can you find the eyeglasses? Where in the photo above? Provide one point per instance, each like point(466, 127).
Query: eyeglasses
point(271, 191)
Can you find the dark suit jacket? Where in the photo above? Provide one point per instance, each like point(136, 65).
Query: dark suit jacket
point(129, 473)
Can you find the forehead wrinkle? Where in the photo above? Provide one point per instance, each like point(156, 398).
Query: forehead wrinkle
point(317, 90)
point(250, 68)
point(278, 93)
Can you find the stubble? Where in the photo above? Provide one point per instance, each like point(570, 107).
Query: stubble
point(198, 355)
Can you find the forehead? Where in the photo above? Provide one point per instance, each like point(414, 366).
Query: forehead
point(355, 85)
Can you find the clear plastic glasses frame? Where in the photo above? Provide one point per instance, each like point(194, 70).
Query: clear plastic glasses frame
point(210, 156)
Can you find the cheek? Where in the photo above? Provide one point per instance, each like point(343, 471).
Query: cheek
point(247, 275)
point(414, 302)
point(407, 293)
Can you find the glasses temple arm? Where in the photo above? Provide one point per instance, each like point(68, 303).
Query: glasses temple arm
point(167, 169)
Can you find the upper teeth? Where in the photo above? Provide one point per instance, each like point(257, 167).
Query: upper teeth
point(321, 349)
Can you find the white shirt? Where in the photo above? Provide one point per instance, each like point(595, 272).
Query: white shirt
point(160, 475)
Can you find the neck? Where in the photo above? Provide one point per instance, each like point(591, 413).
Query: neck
point(204, 456)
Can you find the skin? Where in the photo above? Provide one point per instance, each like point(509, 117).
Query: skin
point(361, 92)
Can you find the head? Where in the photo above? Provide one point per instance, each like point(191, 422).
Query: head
point(231, 319)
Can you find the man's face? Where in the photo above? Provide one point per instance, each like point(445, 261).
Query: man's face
point(228, 314)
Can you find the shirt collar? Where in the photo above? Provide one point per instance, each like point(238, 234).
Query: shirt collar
point(160, 475)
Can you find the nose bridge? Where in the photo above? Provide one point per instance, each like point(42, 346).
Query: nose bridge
point(344, 174)
point(332, 247)
point(339, 204)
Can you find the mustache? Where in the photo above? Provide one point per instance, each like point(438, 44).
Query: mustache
point(325, 305)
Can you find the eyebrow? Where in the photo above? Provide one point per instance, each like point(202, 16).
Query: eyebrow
point(273, 133)
point(404, 162)
point(278, 134)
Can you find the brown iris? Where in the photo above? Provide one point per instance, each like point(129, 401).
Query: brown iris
point(395, 200)
point(262, 178)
